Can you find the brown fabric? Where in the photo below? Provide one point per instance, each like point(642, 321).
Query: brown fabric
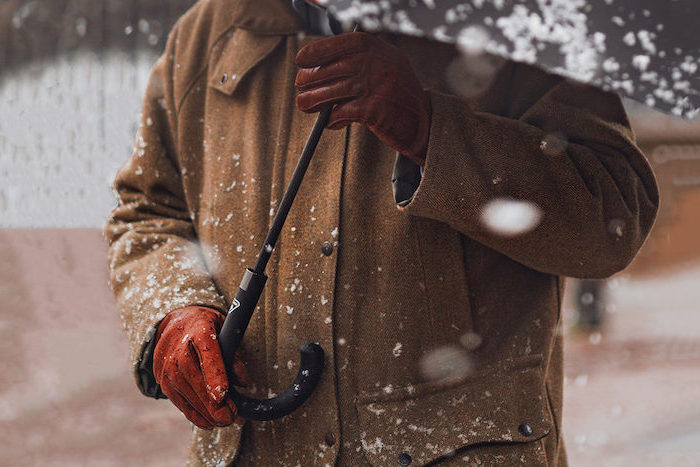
point(369, 82)
point(219, 139)
point(188, 366)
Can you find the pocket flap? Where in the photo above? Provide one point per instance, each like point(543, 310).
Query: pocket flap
point(506, 403)
point(241, 53)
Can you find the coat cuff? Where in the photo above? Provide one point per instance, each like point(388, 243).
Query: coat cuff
point(442, 180)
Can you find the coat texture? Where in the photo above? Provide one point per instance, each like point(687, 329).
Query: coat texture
point(218, 141)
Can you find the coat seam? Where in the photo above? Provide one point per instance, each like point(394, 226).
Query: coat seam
point(552, 344)
point(336, 377)
point(280, 156)
point(550, 408)
point(426, 297)
point(544, 451)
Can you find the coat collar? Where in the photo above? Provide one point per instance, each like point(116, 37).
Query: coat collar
point(264, 16)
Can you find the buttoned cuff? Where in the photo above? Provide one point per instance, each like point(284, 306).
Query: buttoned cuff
point(441, 191)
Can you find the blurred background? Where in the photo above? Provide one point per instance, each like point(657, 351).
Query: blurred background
point(72, 75)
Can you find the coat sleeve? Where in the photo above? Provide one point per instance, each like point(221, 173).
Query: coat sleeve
point(567, 148)
point(155, 261)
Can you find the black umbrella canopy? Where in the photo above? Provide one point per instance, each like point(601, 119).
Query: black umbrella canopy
point(648, 50)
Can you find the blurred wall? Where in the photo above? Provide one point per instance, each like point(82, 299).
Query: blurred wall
point(72, 76)
point(673, 149)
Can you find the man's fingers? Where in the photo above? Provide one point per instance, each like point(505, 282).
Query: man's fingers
point(185, 389)
point(211, 363)
point(184, 406)
point(331, 48)
point(191, 385)
point(312, 77)
point(345, 113)
point(317, 98)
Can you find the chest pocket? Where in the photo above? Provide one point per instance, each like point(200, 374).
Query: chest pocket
point(238, 53)
point(497, 415)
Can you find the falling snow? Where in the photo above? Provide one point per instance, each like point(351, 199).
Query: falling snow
point(448, 362)
point(508, 217)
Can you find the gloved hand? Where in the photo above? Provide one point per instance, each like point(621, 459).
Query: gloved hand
point(371, 82)
point(188, 365)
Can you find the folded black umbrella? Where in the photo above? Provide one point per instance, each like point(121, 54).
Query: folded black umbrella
point(647, 50)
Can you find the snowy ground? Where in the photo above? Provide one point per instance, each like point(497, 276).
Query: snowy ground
point(67, 397)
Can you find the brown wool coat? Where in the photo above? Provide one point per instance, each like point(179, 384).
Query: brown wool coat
point(218, 142)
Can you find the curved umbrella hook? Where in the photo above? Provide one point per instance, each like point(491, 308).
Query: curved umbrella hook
point(230, 338)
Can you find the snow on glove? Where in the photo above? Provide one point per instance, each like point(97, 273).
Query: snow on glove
point(188, 365)
point(372, 83)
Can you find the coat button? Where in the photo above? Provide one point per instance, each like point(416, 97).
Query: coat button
point(525, 429)
point(224, 78)
point(330, 439)
point(404, 459)
point(327, 248)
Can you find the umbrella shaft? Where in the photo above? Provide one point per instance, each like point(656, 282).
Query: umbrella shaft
point(290, 194)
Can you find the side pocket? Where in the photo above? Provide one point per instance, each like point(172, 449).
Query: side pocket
point(498, 415)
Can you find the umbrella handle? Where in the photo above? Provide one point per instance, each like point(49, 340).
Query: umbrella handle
point(230, 337)
point(243, 306)
point(246, 300)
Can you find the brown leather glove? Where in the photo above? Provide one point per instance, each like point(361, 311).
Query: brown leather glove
point(188, 365)
point(371, 82)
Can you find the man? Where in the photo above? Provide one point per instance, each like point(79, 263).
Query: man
point(379, 280)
